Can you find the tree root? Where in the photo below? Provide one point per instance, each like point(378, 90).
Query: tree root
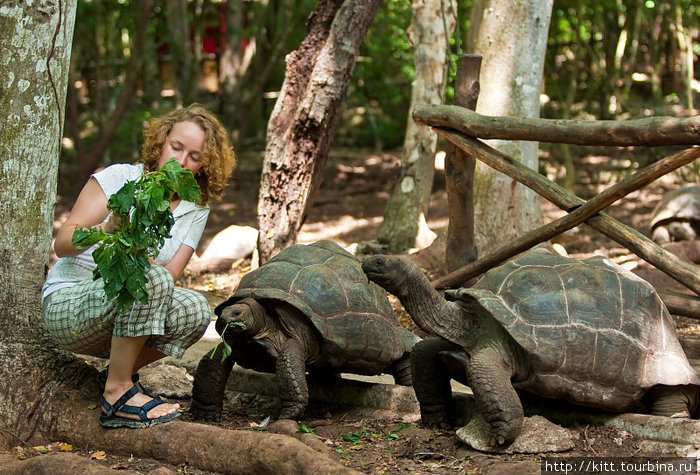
point(198, 445)
point(55, 463)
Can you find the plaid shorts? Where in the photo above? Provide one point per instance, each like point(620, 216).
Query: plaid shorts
point(82, 320)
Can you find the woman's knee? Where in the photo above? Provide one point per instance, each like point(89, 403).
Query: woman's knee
point(160, 282)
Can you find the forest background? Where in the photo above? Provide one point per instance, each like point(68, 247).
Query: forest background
point(611, 59)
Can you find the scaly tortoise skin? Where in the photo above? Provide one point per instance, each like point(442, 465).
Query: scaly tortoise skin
point(677, 216)
point(309, 308)
point(588, 332)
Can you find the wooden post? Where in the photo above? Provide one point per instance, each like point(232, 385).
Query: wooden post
point(459, 173)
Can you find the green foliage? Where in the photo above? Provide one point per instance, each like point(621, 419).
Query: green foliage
point(304, 429)
point(357, 436)
point(143, 206)
point(394, 435)
point(380, 91)
point(226, 348)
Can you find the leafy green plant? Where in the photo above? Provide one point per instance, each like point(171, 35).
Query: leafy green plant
point(143, 206)
point(304, 429)
point(357, 436)
point(226, 348)
point(394, 434)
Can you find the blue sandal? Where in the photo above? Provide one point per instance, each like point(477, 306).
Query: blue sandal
point(102, 381)
point(110, 419)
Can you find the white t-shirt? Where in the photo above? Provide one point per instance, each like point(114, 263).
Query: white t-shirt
point(190, 220)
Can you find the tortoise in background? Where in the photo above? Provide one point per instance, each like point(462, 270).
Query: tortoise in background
point(588, 332)
point(677, 216)
point(309, 308)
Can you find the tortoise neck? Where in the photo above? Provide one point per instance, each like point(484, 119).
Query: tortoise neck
point(428, 308)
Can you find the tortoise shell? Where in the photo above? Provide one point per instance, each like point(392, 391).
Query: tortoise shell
point(591, 330)
point(678, 205)
point(353, 316)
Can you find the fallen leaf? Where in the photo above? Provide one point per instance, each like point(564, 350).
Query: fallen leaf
point(99, 455)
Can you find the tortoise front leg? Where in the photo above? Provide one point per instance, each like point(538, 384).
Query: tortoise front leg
point(489, 379)
point(431, 381)
point(291, 377)
point(209, 385)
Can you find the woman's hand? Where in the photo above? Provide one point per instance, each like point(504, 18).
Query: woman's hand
point(112, 225)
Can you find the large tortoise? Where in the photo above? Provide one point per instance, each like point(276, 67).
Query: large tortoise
point(309, 308)
point(589, 332)
point(677, 216)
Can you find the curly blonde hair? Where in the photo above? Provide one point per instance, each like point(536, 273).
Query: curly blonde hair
point(218, 157)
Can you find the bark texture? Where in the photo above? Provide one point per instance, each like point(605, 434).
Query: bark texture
point(431, 27)
point(460, 248)
point(32, 98)
point(512, 38)
point(306, 117)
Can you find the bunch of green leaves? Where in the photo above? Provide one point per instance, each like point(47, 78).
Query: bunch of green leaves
point(143, 206)
point(225, 347)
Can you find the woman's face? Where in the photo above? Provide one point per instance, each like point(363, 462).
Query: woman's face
point(185, 143)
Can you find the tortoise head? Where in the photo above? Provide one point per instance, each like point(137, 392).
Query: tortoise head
point(389, 272)
point(243, 318)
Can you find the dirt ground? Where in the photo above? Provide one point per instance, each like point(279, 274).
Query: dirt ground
point(349, 209)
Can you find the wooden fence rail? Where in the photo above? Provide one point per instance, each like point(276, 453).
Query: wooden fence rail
point(452, 122)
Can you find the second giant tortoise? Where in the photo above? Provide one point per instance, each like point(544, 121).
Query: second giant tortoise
point(309, 308)
point(677, 216)
point(589, 332)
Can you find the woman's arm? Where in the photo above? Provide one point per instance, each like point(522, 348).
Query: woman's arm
point(179, 261)
point(90, 209)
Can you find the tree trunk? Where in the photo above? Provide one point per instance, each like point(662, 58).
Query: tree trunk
point(306, 117)
point(33, 103)
point(512, 38)
point(431, 28)
point(45, 393)
point(235, 60)
point(460, 248)
point(87, 164)
point(180, 48)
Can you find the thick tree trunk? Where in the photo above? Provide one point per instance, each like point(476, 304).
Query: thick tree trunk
point(33, 103)
point(405, 213)
point(512, 38)
point(45, 393)
point(306, 117)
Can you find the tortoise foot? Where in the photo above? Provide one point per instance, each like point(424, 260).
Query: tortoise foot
point(435, 418)
point(205, 412)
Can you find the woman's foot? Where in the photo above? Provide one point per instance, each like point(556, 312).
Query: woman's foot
point(134, 409)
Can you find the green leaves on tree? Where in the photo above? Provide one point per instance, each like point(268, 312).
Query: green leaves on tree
point(143, 206)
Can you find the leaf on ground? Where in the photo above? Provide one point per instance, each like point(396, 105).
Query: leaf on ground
point(99, 455)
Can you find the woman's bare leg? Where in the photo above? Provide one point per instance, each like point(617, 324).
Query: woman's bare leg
point(124, 355)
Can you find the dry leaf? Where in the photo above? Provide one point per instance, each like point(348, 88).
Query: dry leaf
point(99, 455)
